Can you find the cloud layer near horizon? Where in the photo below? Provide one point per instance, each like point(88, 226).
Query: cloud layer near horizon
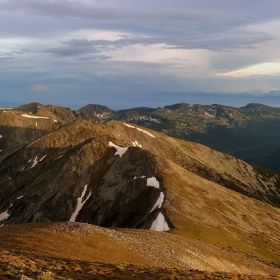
point(125, 53)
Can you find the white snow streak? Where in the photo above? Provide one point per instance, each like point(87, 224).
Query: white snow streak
point(140, 129)
point(209, 115)
point(153, 182)
point(150, 119)
point(158, 202)
point(35, 162)
point(4, 216)
point(159, 224)
point(145, 131)
point(142, 177)
point(35, 117)
point(80, 205)
point(20, 197)
point(136, 144)
point(120, 150)
point(128, 125)
point(1, 136)
point(42, 158)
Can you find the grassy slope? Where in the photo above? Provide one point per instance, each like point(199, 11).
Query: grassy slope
point(80, 251)
point(235, 233)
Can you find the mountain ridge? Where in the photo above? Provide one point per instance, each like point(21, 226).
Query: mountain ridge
point(117, 174)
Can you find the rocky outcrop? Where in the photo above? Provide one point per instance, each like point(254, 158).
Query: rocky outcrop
point(75, 174)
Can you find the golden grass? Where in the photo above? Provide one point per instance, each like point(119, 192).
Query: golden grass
point(37, 251)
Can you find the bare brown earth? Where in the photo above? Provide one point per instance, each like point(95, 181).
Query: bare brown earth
point(83, 251)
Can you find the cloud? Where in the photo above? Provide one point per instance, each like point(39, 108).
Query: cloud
point(138, 48)
point(105, 10)
point(39, 87)
point(258, 69)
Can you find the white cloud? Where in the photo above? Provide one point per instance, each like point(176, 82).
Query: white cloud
point(39, 87)
point(258, 69)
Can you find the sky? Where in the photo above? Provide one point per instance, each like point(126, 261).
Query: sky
point(125, 54)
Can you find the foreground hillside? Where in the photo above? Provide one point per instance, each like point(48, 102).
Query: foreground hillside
point(90, 252)
point(213, 208)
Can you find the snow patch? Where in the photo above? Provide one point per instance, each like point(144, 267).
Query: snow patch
point(128, 125)
point(209, 115)
point(80, 204)
point(4, 216)
point(136, 177)
point(0, 150)
point(59, 157)
point(104, 115)
point(20, 197)
point(153, 182)
point(159, 224)
point(145, 131)
point(146, 118)
point(34, 117)
point(1, 136)
point(42, 158)
point(136, 144)
point(120, 150)
point(35, 162)
point(140, 129)
point(54, 120)
point(158, 202)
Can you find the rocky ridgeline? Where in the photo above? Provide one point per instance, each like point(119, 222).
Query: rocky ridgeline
point(159, 254)
point(166, 250)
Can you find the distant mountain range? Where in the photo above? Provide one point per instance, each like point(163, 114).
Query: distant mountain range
point(99, 166)
point(250, 133)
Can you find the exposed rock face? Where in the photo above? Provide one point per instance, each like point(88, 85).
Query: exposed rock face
point(55, 169)
point(50, 175)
